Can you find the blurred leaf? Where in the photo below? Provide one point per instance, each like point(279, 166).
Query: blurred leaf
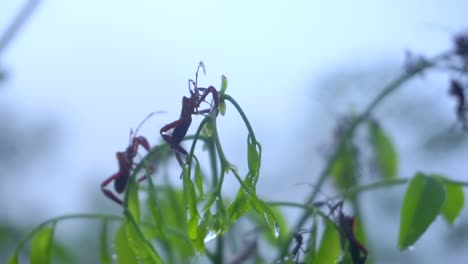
point(224, 84)
point(154, 206)
point(13, 259)
point(253, 158)
point(239, 207)
point(384, 151)
point(312, 243)
point(423, 201)
point(172, 208)
point(41, 245)
point(208, 129)
point(267, 214)
point(62, 254)
point(133, 201)
point(122, 248)
point(199, 180)
point(143, 250)
point(282, 225)
point(104, 244)
point(343, 170)
point(454, 202)
point(222, 108)
point(329, 250)
point(193, 216)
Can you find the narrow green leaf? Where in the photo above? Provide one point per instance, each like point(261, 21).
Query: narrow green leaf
point(13, 259)
point(41, 246)
point(265, 211)
point(154, 206)
point(62, 254)
point(423, 201)
point(384, 151)
point(329, 250)
point(133, 201)
point(209, 203)
point(224, 84)
point(199, 180)
point(104, 244)
point(142, 249)
point(239, 207)
point(454, 202)
point(281, 225)
point(222, 108)
point(344, 168)
point(122, 248)
point(312, 243)
point(253, 158)
point(193, 216)
point(208, 129)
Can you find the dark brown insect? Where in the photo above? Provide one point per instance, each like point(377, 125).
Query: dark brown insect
point(126, 164)
point(190, 106)
point(457, 90)
point(346, 225)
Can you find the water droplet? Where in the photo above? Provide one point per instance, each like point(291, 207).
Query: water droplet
point(210, 236)
point(411, 248)
point(277, 229)
point(114, 256)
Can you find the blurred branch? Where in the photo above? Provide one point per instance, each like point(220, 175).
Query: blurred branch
point(17, 23)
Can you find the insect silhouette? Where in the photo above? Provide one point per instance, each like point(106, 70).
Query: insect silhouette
point(190, 106)
point(346, 225)
point(125, 160)
point(457, 90)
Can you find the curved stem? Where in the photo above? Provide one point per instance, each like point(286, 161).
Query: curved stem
point(242, 114)
point(388, 183)
point(61, 218)
point(94, 216)
point(390, 88)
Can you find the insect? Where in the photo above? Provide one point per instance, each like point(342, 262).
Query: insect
point(346, 225)
point(299, 239)
point(461, 43)
point(126, 164)
point(190, 106)
point(456, 90)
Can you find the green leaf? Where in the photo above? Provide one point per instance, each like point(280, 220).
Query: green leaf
point(239, 207)
point(190, 197)
point(104, 252)
point(312, 243)
point(423, 201)
point(282, 225)
point(154, 206)
point(133, 201)
point(41, 245)
point(222, 108)
point(13, 259)
point(224, 84)
point(122, 248)
point(268, 215)
point(344, 168)
point(454, 202)
point(384, 151)
point(199, 180)
point(329, 250)
point(142, 249)
point(253, 158)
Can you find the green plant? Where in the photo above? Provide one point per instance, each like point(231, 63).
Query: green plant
point(172, 225)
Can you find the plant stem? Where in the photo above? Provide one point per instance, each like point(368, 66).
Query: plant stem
point(242, 114)
point(390, 88)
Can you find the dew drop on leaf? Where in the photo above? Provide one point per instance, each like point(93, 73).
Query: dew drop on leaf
point(277, 230)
